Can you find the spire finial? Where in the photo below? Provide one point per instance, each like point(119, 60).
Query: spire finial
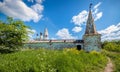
point(90, 6)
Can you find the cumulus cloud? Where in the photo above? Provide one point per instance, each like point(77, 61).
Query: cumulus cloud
point(64, 34)
point(37, 8)
point(98, 16)
point(77, 29)
point(111, 33)
point(97, 5)
point(81, 18)
point(39, 1)
point(19, 10)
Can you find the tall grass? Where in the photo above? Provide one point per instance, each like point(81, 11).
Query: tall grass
point(43, 60)
point(115, 57)
point(113, 52)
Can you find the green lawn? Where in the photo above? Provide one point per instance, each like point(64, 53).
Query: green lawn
point(43, 60)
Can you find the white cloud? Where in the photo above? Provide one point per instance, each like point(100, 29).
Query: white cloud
point(83, 15)
point(39, 1)
point(95, 11)
point(64, 34)
point(81, 18)
point(97, 5)
point(77, 29)
point(37, 8)
point(19, 10)
point(111, 33)
point(98, 16)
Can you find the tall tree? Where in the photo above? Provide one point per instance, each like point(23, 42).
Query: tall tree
point(13, 33)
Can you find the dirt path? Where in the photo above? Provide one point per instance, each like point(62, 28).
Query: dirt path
point(109, 67)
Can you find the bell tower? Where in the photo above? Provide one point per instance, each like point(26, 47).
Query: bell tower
point(45, 37)
point(92, 39)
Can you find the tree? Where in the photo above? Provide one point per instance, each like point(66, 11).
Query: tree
point(12, 34)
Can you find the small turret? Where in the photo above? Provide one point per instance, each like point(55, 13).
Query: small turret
point(41, 36)
point(45, 34)
point(37, 36)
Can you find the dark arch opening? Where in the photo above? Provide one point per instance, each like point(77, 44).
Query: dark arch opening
point(78, 47)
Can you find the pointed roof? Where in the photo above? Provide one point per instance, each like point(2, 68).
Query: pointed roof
point(90, 26)
point(46, 32)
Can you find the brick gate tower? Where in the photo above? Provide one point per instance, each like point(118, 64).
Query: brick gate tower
point(92, 39)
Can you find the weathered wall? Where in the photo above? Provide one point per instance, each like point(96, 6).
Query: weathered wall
point(52, 45)
point(92, 42)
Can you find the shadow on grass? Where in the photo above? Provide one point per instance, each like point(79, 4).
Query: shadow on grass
point(6, 51)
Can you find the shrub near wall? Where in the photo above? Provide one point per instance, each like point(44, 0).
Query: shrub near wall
point(112, 46)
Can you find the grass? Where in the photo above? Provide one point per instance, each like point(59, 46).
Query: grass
point(115, 57)
point(43, 60)
point(112, 50)
point(116, 60)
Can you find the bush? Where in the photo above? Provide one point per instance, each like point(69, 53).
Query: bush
point(111, 46)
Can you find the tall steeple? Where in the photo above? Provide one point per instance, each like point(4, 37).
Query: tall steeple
point(92, 40)
point(45, 33)
point(90, 26)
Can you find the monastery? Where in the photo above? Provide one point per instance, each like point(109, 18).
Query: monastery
point(91, 40)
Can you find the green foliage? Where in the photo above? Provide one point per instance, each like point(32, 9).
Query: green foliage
point(12, 34)
point(112, 50)
point(111, 46)
point(115, 57)
point(43, 60)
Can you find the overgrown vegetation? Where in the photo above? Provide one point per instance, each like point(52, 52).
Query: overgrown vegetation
point(12, 34)
point(115, 57)
point(112, 50)
point(43, 60)
point(111, 46)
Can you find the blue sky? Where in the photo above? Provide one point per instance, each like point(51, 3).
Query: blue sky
point(65, 19)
